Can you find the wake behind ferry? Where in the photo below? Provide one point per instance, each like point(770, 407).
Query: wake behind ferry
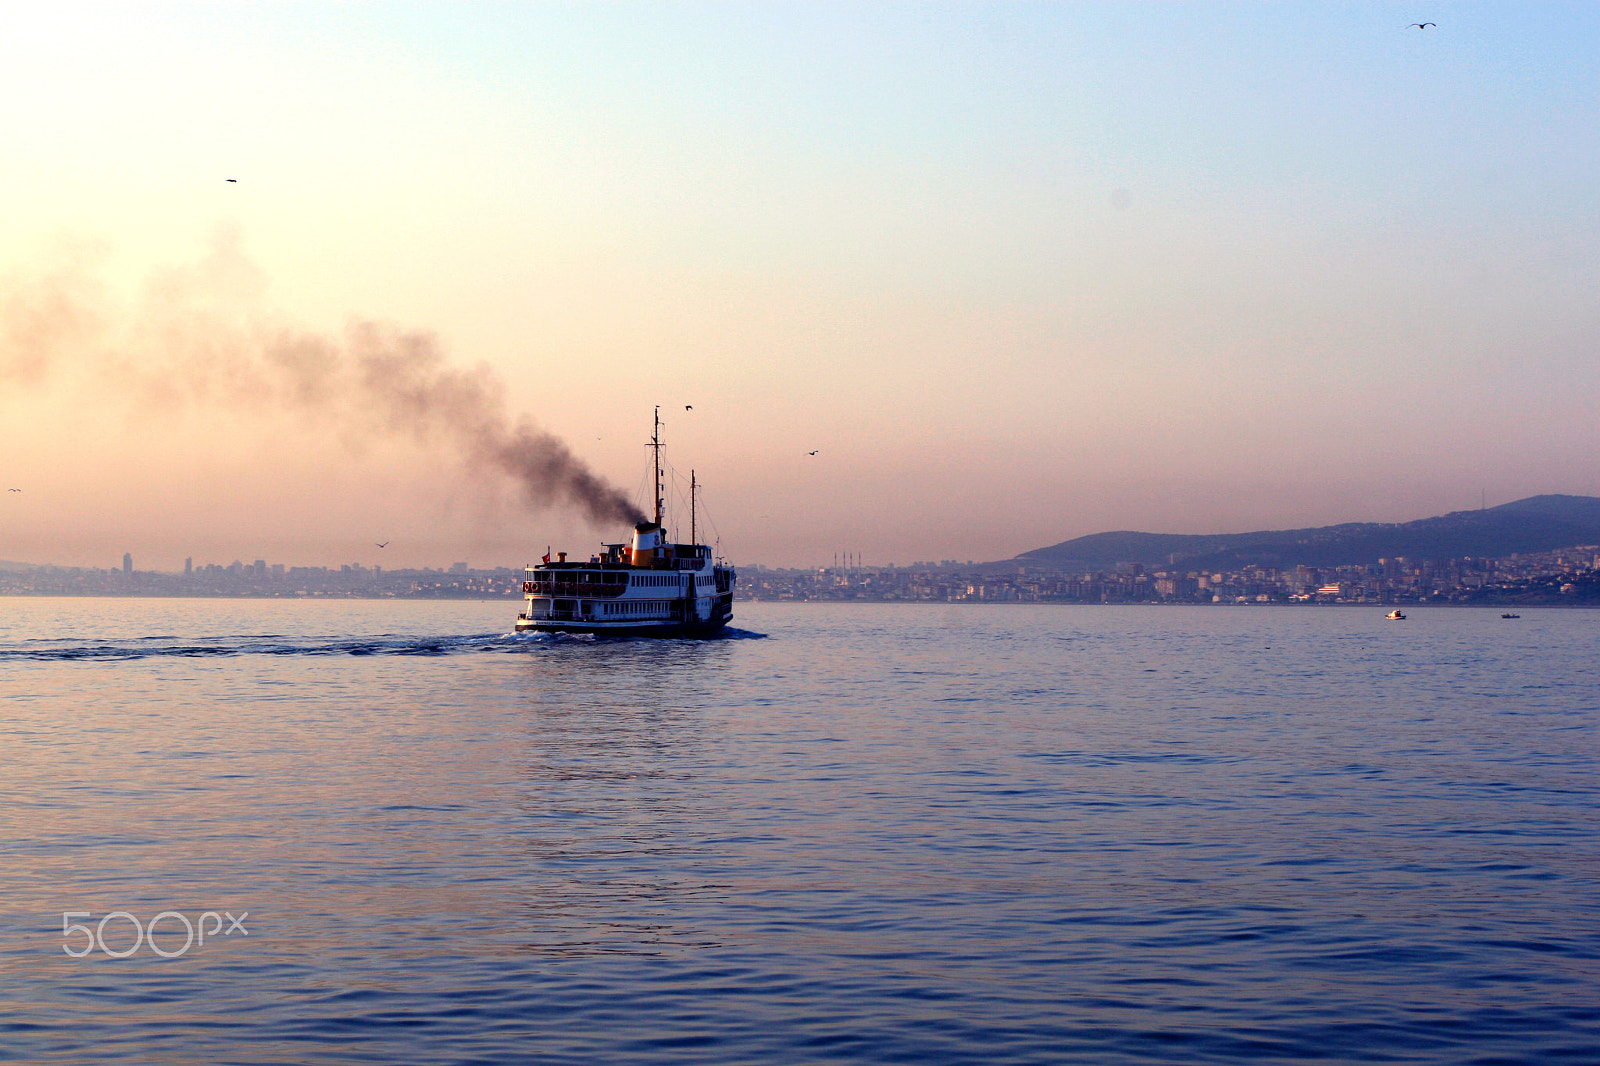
point(646, 587)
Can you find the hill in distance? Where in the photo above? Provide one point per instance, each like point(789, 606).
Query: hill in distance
point(1536, 524)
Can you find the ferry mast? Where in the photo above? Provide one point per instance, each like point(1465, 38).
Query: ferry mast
point(655, 450)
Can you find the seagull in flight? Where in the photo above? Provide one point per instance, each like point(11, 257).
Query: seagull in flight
point(1424, 25)
point(813, 453)
point(688, 407)
point(13, 490)
point(385, 544)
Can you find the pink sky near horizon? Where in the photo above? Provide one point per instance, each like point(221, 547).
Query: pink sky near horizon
point(1017, 273)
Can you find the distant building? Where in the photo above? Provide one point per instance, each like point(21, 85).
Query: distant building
point(127, 562)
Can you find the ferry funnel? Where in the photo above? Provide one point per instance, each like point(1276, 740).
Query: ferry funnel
point(647, 543)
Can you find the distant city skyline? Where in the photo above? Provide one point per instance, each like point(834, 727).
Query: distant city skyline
point(1543, 524)
point(1561, 578)
point(839, 559)
point(954, 281)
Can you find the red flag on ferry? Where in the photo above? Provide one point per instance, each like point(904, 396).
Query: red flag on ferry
point(547, 556)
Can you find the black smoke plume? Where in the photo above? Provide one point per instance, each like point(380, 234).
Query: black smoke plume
point(197, 338)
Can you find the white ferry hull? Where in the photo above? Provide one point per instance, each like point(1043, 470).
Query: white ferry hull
point(624, 629)
point(679, 593)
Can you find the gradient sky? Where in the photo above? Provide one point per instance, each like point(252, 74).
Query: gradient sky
point(1017, 272)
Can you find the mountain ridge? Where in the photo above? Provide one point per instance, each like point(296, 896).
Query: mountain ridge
point(1533, 524)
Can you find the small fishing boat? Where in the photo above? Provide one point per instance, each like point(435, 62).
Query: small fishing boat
point(646, 587)
point(1396, 615)
point(1511, 616)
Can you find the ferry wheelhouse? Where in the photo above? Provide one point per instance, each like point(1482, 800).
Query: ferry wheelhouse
point(646, 587)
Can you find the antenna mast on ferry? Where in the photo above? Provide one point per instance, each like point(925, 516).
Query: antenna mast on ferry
point(655, 446)
point(692, 538)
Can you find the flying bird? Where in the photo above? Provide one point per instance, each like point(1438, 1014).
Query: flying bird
point(813, 453)
point(1424, 25)
point(385, 544)
point(13, 490)
point(688, 407)
point(234, 180)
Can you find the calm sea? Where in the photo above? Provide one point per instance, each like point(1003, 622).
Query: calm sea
point(840, 834)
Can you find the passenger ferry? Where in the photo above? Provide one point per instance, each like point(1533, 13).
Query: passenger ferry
point(645, 587)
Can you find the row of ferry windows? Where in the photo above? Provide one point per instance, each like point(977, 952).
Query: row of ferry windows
point(614, 577)
point(638, 608)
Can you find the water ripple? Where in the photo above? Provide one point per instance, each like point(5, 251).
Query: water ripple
point(993, 835)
